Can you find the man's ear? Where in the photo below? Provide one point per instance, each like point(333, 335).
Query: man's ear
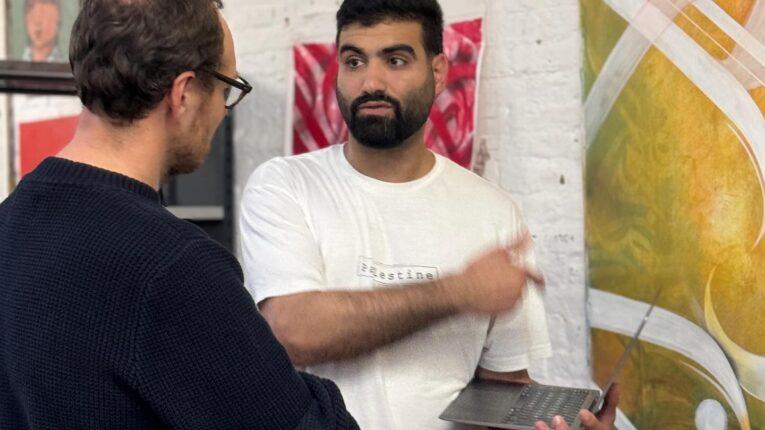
point(181, 93)
point(440, 72)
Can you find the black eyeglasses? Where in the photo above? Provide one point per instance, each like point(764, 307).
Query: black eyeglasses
point(236, 90)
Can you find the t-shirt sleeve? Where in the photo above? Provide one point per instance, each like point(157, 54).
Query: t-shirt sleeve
point(204, 358)
point(518, 337)
point(279, 252)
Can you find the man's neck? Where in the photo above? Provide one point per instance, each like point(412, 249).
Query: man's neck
point(133, 151)
point(42, 53)
point(408, 162)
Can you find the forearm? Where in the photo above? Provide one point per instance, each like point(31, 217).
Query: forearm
point(328, 326)
point(517, 377)
point(335, 325)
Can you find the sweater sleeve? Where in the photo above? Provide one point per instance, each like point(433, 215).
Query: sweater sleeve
point(329, 410)
point(204, 358)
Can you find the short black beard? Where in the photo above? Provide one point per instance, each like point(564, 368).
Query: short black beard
point(381, 132)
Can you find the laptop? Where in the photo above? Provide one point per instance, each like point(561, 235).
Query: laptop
point(519, 406)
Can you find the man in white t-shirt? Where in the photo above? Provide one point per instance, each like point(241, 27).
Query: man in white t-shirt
point(380, 265)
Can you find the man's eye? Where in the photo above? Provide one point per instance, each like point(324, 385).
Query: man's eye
point(353, 63)
point(397, 61)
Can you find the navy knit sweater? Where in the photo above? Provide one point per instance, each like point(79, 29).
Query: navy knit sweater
point(114, 314)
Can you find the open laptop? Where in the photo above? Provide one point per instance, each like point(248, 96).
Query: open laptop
point(520, 406)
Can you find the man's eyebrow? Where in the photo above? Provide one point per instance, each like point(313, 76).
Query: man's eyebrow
point(346, 47)
point(398, 48)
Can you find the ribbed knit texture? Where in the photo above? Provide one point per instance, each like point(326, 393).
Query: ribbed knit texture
point(114, 314)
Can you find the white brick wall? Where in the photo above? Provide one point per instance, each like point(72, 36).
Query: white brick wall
point(530, 116)
point(532, 68)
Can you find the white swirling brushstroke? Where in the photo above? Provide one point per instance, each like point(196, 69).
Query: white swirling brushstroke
point(614, 313)
point(709, 75)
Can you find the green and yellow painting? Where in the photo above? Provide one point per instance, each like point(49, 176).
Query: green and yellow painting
point(674, 204)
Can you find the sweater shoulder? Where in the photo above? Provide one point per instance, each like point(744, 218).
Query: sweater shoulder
point(114, 224)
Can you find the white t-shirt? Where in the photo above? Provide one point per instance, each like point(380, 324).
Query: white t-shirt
point(312, 222)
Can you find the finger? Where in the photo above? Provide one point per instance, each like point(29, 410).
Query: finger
point(588, 419)
point(515, 252)
point(612, 398)
point(559, 423)
point(541, 425)
point(522, 243)
point(535, 275)
point(608, 412)
point(515, 258)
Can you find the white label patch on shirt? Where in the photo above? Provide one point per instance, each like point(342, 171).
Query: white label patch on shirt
point(395, 274)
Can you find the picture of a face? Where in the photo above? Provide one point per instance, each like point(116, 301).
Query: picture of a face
point(42, 25)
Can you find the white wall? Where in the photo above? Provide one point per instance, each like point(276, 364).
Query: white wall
point(530, 117)
point(5, 174)
point(531, 114)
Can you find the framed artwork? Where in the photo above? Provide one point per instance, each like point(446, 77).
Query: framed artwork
point(37, 62)
point(38, 30)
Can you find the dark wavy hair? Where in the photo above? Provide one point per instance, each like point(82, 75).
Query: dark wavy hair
point(372, 12)
point(29, 4)
point(125, 54)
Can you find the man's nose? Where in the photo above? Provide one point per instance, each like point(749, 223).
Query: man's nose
point(375, 79)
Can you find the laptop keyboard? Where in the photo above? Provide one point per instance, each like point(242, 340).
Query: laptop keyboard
point(542, 402)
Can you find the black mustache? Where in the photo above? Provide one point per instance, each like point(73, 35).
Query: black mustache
point(367, 98)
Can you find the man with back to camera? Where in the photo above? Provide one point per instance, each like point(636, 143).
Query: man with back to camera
point(114, 314)
point(365, 242)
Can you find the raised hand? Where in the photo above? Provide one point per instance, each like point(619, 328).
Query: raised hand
point(493, 282)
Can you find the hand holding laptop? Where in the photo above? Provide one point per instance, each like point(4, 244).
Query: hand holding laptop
point(527, 406)
point(602, 420)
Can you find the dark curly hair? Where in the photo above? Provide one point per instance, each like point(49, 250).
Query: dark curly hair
point(372, 12)
point(125, 54)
